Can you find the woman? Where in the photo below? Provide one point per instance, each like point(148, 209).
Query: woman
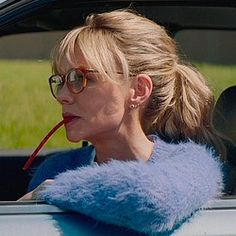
point(123, 88)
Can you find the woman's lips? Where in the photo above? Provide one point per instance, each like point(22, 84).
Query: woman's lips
point(69, 117)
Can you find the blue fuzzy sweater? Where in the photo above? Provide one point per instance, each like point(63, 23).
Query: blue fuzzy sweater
point(149, 197)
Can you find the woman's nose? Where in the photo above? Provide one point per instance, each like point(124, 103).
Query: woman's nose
point(64, 95)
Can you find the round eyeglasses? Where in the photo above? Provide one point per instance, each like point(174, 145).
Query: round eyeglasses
point(75, 80)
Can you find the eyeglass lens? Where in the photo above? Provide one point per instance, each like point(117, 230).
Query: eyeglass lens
point(74, 80)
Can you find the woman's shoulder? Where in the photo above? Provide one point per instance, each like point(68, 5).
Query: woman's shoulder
point(182, 151)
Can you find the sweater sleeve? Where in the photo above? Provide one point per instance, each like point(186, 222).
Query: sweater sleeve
point(149, 197)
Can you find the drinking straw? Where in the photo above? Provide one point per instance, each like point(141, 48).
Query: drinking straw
point(43, 142)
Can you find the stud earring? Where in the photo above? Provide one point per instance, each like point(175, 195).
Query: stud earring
point(133, 106)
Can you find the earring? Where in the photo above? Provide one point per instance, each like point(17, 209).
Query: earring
point(133, 106)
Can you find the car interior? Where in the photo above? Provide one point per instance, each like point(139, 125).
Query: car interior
point(176, 16)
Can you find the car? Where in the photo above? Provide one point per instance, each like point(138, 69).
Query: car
point(206, 34)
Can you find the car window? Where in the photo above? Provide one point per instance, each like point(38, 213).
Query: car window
point(214, 53)
point(27, 106)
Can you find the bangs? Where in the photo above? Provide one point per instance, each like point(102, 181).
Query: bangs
point(65, 52)
point(98, 47)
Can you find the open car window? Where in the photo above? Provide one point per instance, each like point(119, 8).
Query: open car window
point(25, 68)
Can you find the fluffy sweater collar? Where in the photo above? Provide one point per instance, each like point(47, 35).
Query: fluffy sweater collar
point(149, 197)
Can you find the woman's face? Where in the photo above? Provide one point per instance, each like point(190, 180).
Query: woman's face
point(99, 111)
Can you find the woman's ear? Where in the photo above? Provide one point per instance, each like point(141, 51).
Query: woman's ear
point(142, 88)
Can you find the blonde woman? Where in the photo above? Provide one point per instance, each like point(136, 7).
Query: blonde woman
point(121, 84)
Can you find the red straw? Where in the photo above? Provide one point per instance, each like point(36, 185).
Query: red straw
point(43, 142)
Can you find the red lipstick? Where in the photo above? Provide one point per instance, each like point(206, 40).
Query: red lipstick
point(69, 116)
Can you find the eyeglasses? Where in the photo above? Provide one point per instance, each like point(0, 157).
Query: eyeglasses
point(75, 80)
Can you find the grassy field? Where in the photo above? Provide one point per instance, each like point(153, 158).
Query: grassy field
point(219, 77)
point(28, 111)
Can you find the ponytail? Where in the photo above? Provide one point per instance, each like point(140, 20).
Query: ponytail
point(181, 108)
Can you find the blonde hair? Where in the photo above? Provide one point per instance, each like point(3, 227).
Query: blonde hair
point(181, 103)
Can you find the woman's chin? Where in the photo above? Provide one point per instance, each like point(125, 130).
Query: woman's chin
point(73, 139)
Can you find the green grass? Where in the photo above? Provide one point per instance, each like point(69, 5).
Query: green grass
point(219, 76)
point(28, 111)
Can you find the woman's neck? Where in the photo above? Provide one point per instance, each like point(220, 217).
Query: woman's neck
point(124, 146)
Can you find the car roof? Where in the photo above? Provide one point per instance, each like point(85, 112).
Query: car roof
point(47, 15)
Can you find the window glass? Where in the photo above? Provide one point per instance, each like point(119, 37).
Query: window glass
point(213, 52)
point(28, 111)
